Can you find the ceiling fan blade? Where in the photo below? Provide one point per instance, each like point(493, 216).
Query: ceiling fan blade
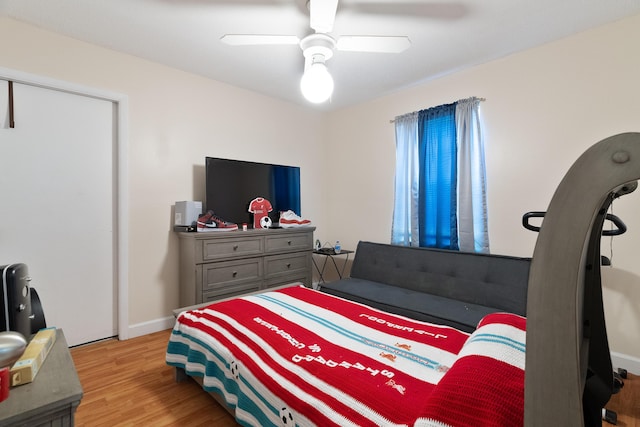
point(258, 39)
point(382, 44)
point(322, 15)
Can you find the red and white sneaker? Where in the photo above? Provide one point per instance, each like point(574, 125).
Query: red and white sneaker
point(289, 219)
point(210, 222)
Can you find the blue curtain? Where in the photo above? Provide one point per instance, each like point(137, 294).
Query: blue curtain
point(437, 199)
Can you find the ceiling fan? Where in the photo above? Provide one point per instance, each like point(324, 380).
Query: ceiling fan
point(316, 83)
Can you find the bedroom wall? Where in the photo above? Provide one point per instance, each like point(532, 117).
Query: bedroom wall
point(175, 120)
point(544, 107)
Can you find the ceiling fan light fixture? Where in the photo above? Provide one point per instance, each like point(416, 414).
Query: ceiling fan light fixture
point(316, 83)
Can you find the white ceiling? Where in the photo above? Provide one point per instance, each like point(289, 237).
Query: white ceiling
point(446, 36)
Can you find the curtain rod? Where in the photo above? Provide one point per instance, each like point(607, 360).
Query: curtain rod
point(479, 99)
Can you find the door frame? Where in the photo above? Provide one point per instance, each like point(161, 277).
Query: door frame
point(121, 168)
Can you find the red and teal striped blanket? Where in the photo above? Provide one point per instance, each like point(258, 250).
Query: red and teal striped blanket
point(301, 357)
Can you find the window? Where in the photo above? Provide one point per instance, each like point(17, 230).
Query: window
point(440, 184)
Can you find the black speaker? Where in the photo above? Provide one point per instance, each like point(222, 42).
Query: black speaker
point(15, 307)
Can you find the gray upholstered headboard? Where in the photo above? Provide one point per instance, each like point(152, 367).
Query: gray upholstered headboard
point(490, 280)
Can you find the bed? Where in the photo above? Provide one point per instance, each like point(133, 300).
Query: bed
point(297, 356)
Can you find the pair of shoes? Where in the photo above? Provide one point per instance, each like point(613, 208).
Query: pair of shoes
point(210, 222)
point(289, 219)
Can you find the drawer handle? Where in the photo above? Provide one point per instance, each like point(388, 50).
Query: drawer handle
point(288, 265)
point(234, 274)
point(289, 242)
point(235, 247)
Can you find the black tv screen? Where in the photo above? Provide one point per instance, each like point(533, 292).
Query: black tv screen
point(232, 184)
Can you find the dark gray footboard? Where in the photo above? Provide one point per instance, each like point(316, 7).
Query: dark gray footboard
point(558, 334)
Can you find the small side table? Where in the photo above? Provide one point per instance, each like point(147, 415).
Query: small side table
point(52, 398)
point(330, 254)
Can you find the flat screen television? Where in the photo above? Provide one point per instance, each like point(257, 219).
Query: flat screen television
point(232, 184)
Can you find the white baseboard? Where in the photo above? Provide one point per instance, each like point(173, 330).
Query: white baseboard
point(151, 326)
point(168, 322)
point(630, 363)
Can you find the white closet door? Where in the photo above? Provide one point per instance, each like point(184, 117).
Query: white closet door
point(57, 206)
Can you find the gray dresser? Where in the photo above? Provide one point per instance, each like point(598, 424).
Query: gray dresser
point(218, 265)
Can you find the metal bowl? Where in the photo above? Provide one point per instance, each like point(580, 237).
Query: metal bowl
point(12, 345)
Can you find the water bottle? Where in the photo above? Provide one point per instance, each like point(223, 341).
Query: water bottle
point(337, 248)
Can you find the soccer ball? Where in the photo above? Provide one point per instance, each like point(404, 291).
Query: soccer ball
point(286, 417)
point(265, 222)
point(233, 367)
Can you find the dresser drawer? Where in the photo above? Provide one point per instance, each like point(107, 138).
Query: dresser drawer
point(223, 274)
point(288, 243)
point(277, 265)
point(287, 280)
point(217, 249)
point(229, 291)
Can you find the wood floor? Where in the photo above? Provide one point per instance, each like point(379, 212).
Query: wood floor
point(127, 383)
point(627, 403)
